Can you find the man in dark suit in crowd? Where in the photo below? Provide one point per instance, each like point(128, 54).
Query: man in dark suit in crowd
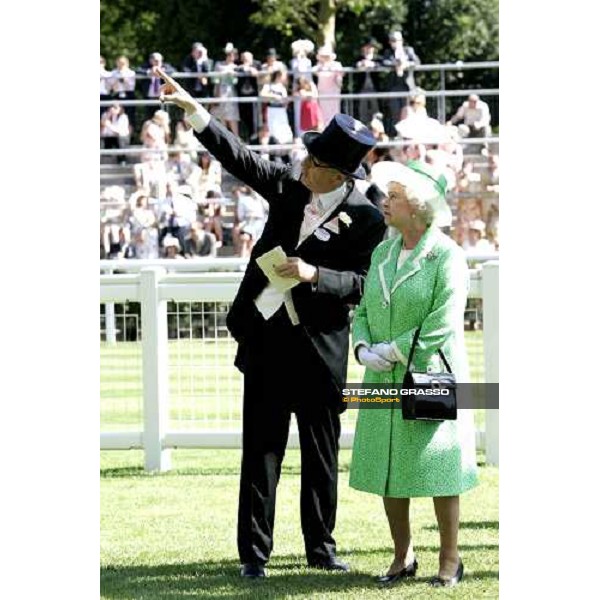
point(247, 86)
point(401, 78)
point(149, 85)
point(293, 345)
point(197, 61)
point(367, 81)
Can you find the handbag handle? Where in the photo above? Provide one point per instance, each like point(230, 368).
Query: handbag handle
point(412, 351)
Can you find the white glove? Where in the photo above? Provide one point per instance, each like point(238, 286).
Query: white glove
point(385, 350)
point(373, 361)
point(171, 91)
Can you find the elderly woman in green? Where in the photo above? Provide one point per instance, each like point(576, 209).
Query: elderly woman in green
point(416, 279)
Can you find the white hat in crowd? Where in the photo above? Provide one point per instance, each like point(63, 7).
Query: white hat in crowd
point(305, 46)
point(477, 225)
point(171, 241)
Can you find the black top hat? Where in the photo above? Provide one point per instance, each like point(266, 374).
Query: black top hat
point(342, 144)
point(272, 52)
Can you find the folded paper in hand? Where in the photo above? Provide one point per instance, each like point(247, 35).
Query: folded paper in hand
point(268, 261)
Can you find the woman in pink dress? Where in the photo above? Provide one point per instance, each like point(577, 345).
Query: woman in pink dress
point(300, 66)
point(310, 111)
point(330, 76)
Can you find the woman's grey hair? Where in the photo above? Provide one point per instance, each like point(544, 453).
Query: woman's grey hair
point(421, 199)
point(423, 193)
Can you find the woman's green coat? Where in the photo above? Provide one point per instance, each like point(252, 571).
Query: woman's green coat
point(393, 457)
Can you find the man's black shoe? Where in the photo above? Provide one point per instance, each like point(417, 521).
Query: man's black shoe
point(252, 571)
point(333, 564)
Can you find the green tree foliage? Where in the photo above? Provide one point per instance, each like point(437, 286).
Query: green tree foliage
point(439, 30)
point(451, 30)
point(126, 27)
point(374, 19)
point(288, 18)
point(447, 31)
point(308, 18)
point(138, 27)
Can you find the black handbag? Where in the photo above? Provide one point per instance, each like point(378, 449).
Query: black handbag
point(428, 396)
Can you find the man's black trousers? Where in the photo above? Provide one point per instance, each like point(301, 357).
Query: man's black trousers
point(283, 374)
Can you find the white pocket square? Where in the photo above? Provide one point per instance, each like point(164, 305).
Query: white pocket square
point(333, 225)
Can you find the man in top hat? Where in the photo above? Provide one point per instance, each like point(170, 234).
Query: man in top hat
point(367, 81)
point(293, 344)
point(272, 62)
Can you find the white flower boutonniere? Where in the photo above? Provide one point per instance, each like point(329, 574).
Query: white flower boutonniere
point(345, 218)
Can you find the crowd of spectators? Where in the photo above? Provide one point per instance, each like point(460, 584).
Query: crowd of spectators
point(280, 85)
point(180, 207)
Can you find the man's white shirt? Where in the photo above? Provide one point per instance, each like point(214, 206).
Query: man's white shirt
point(316, 212)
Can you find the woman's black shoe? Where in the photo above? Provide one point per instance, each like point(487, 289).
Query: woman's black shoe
point(409, 571)
point(440, 582)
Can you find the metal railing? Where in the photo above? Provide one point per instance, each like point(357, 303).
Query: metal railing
point(294, 99)
point(346, 98)
point(154, 288)
point(441, 68)
point(289, 147)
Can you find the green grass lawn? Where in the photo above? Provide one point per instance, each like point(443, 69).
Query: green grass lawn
point(205, 389)
point(173, 536)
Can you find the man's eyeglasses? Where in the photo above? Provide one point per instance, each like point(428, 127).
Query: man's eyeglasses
point(320, 165)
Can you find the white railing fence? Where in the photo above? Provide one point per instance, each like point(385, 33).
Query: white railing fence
point(205, 410)
point(294, 146)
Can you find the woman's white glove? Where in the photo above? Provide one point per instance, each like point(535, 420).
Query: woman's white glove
point(373, 361)
point(385, 350)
